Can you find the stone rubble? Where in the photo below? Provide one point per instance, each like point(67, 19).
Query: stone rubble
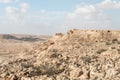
point(77, 55)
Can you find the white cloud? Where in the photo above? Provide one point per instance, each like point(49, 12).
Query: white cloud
point(8, 1)
point(17, 14)
point(84, 11)
point(92, 15)
point(24, 7)
point(13, 13)
point(109, 4)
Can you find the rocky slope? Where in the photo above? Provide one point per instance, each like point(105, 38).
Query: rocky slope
point(76, 55)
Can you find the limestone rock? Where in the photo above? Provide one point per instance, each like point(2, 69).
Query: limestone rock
point(76, 55)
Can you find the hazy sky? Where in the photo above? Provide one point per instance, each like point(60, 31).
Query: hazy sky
point(47, 17)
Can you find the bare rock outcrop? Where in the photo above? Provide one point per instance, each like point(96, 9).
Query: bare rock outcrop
point(77, 55)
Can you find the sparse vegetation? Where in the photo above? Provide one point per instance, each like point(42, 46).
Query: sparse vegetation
point(101, 50)
point(114, 40)
point(73, 56)
point(86, 59)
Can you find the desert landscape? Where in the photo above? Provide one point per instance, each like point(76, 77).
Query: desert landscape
point(13, 45)
point(76, 55)
point(59, 39)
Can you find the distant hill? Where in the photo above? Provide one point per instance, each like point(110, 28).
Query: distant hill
point(28, 38)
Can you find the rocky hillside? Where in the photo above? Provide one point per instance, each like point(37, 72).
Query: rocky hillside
point(76, 55)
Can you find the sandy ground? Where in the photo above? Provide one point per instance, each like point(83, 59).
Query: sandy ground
point(12, 48)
